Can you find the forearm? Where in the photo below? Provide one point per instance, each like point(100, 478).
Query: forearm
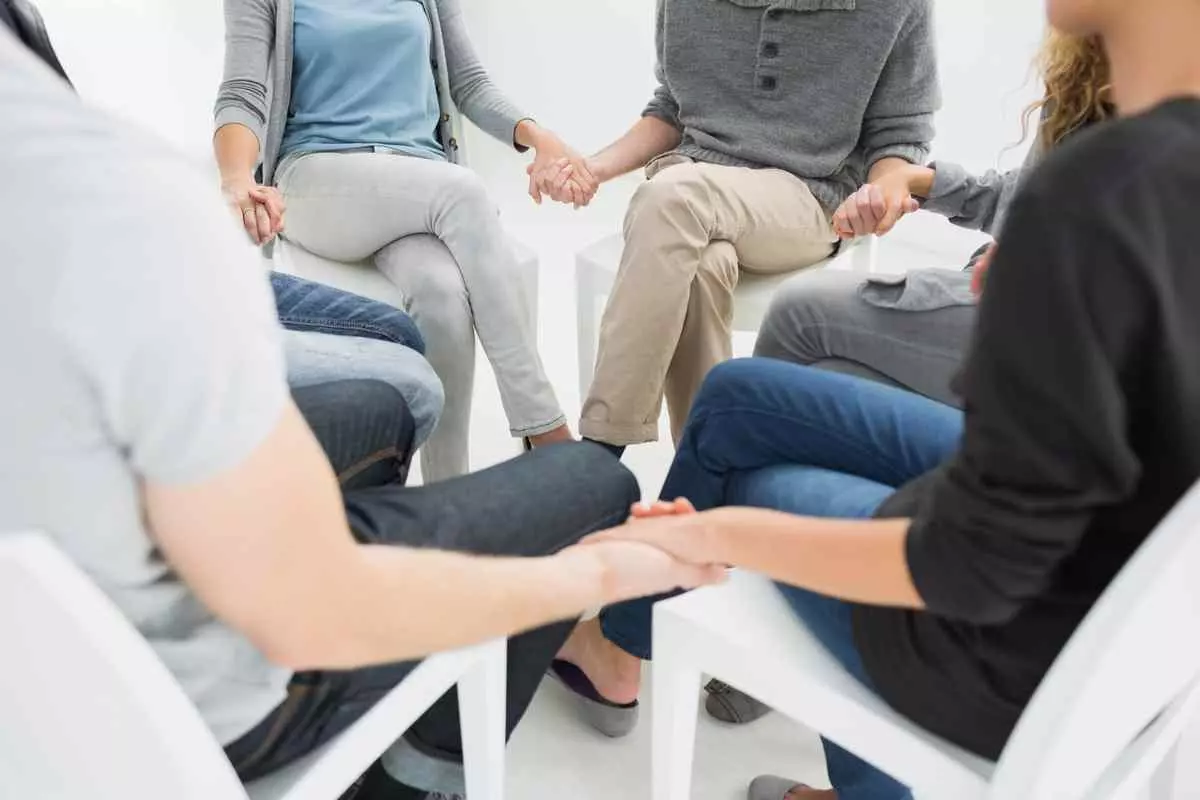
point(648, 138)
point(384, 604)
point(918, 178)
point(236, 148)
point(862, 561)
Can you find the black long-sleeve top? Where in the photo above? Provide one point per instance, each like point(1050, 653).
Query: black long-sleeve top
point(1082, 398)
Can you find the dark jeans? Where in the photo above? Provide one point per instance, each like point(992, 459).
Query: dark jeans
point(534, 505)
point(770, 434)
point(304, 305)
point(365, 429)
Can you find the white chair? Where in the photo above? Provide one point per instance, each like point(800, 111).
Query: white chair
point(1102, 726)
point(362, 277)
point(88, 710)
point(596, 270)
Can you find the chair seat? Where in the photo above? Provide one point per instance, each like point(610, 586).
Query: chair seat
point(745, 634)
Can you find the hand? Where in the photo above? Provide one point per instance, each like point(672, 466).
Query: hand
point(549, 174)
point(675, 528)
point(662, 508)
point(979, 271)
point(260, 208)
point(876, 207)
point(630, 570)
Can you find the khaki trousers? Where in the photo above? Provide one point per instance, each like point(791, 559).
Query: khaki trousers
point(688, 232)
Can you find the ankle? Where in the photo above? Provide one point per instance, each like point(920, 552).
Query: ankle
point(560, 434)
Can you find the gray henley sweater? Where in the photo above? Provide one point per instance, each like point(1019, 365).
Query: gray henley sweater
point(820, 88)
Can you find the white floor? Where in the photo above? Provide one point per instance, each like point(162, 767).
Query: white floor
point(552, 755)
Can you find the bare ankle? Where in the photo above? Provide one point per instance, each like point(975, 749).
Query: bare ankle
point(560, 434)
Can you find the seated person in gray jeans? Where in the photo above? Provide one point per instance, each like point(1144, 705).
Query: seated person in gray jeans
point(912, 333)
point(152, 436)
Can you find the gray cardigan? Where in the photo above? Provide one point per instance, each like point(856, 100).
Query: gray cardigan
point(257, 87)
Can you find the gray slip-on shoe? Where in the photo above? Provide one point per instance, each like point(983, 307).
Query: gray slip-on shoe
point(614, 720)
point(729, 705)
point(771, 787)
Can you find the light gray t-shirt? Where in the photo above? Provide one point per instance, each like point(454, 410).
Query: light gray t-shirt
point(139, 343)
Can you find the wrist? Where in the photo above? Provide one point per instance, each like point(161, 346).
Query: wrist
point(920, 180)
point(584, 580)
point(601, 168)
point(529, 134)
point(237, 179)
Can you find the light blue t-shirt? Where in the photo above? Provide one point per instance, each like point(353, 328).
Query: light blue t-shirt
point(362, 77)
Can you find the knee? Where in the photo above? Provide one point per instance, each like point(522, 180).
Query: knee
point(728, 384)
point(800, 310)
point(677, 196)
point(464, 192)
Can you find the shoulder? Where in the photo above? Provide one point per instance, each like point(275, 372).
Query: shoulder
point(1112, 162)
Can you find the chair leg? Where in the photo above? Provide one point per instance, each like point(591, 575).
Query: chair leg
point(482, 709)
point(675, 688)
point(1162, 784)
point(588, 324)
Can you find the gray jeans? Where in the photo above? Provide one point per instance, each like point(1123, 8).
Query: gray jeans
point(353, 206)
point(912, 334)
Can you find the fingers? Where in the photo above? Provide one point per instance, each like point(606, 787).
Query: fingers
point(272, 200)
point(695, 576)
point(535, 188)
point(262, 217)
point(662, 508)
point(250, 221)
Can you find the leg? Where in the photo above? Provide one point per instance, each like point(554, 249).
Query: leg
point(707, 335)
point(823, 493)
point(304, 305)
point(350, 206)
point(583, 490)
point(821, 318)
point(754, 414)
point(773, 223)
point(365, 429)
point(317, 358)
point(481, 718)
point(674, 725)
point(425, 273)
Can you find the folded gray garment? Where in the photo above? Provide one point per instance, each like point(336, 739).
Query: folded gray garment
point(919, 290)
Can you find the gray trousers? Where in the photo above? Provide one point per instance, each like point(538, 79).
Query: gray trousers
point(904, 335)
point(434, 232)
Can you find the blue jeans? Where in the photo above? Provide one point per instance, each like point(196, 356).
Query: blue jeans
point(334, 335)
point(305, 305)
point(776, 435)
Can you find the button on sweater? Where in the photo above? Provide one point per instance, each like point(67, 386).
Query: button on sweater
point(819, 88)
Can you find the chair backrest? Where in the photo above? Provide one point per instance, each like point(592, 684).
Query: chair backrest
point(1133, 662)
point(86, 708)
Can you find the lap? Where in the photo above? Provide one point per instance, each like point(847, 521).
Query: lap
point(348, 206)
point(756, 413)
point(770, 216)
point(822, 315)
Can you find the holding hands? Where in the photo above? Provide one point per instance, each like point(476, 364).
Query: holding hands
point(557, 171)
point(259, 208)
point(878, 206)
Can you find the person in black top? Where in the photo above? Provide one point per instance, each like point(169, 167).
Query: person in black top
point(1081, 430)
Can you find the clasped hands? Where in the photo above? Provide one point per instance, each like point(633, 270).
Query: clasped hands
point(561, 174)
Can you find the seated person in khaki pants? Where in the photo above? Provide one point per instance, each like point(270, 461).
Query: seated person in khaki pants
point(768, 114)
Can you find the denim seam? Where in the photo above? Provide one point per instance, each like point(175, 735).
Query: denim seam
point(323, 324)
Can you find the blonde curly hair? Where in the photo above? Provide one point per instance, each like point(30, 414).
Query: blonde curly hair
point(1076, 76)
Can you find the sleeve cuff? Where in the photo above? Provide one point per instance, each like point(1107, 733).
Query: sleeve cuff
point(913, 154)
point(233, 114)
point(945, 197)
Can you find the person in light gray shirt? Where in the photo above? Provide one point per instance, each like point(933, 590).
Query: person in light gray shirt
point(149, 432)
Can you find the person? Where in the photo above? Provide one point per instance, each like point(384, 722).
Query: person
point(348, 111)
point(331, 335)
point(994, 530)
point(154, 440)
point(912, 332)
point(766, 116)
